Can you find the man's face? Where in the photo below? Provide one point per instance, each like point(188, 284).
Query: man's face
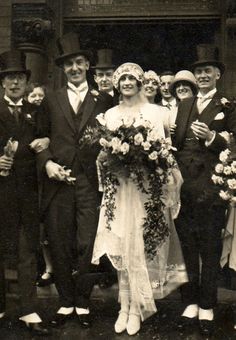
point(206, 77)
point(75, 69)
point(164, 86)
point(150, 87)
point(103, 78)
point(14, 85)
point(128, 85)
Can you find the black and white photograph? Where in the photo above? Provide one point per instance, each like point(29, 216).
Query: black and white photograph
point(118, 169)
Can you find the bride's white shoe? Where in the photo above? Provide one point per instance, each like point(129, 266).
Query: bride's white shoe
point(121, 322)
point(134, 323)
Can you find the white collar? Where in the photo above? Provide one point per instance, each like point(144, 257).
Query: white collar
point(208, 95)
point(18, 103)
point(81, 88)
point(172, 102)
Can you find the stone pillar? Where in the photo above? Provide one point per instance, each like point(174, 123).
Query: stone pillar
point(31, 32)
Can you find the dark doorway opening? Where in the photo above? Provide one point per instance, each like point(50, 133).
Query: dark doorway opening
point(157, 45)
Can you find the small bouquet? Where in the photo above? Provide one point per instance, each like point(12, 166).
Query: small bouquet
point(225, 173)
point(133, 149)
point(9, 151)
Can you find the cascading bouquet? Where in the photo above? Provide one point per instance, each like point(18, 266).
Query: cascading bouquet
point(134, 150)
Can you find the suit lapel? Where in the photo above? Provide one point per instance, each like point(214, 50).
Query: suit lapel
point(210, 111)
point(63, 100)
point(86, 109)
point(183, 118)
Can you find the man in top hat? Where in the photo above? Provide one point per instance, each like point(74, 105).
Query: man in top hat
point(19, 212)
point(200, 121)
point(104, 70)
point(70, 199)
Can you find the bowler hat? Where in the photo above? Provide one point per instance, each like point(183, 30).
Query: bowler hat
point(183, 76)
point(208, 55)
point(104, 59)
point(69, 46)
point(13, 61)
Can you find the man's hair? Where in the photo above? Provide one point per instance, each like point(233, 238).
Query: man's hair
point(166, 73)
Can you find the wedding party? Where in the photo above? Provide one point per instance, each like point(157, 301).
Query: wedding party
point(117, 177)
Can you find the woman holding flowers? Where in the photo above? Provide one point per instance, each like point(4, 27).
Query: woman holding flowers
point(140, 183)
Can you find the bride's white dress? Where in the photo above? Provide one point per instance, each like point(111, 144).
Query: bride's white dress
point(123, 243)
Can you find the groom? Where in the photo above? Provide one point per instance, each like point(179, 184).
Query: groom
point(200, 120)
point(70, 209)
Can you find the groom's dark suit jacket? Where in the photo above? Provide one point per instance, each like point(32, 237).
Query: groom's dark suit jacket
point(196, 160)
point(66, 132)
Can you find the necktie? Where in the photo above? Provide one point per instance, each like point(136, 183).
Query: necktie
point(16, 111)
point(77, 100)
point(202, 103)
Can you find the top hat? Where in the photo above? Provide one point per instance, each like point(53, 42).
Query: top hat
point(104, 59)
point(183, 76)
point(13, 61)
point(69, 46)
point(208, 55)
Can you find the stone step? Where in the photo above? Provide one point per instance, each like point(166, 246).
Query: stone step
point(224, 295)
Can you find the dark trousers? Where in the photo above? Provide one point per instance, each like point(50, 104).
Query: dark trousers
point(199, 228)
point(71, 222)
point(26, 269)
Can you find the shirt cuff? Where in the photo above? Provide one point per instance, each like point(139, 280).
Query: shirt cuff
point(208, 143)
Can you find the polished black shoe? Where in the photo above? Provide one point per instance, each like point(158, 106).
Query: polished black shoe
point(206, 327)
point(107, 282)
point(41, 282)
point(36, 328)
point(184, 322)
point(84, 320)
point(60, 319)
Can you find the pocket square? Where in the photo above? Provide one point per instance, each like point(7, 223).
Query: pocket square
point(219, 116)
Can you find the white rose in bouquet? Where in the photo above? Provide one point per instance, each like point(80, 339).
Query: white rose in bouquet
point(224, 195)
point(219, 168)
point(153, 155)
point(115, 144)
point(233, 167)
point(227, 170)
point(124, 148)
point(138, 139)
point(146, 145)
point(224, 155)
point(232, 183)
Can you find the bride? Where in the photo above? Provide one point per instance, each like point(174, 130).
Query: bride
point(140, 279)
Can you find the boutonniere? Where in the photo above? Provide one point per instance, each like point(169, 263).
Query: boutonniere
point(95, 94)
point(226, 103)
point(30, 117)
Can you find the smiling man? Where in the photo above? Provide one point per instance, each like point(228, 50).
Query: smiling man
point(19, 215)
point(200, 120)
point(104, 70)
point(71, 211)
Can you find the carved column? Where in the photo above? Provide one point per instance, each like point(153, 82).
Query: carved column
point(32, 30)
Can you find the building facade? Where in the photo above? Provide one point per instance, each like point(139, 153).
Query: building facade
point(158, 34)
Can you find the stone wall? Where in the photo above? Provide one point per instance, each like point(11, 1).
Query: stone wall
point(5, 25)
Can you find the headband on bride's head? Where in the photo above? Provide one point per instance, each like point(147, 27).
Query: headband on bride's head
point(127, 68)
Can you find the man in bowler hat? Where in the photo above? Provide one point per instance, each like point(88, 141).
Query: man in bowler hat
point(19, 211)
point(70, 211)
point(200, 121)
point(104, 70)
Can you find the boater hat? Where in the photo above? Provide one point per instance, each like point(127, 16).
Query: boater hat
point(69, 46)
point(13, 61)
point(208, 55)
point(104, 59)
